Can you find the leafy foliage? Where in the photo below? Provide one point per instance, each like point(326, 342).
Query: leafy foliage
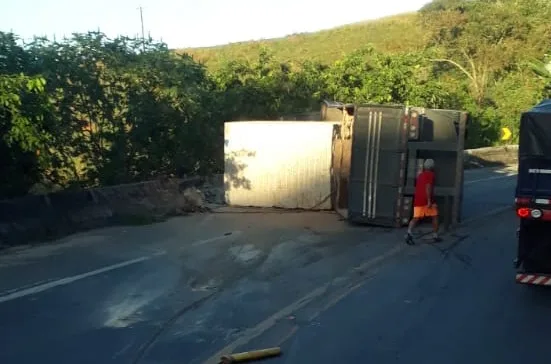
point(99, 111)
point(89, 110)
point(542, 68)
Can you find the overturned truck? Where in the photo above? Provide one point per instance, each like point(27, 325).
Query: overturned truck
point(361, 160)
point(533, 197)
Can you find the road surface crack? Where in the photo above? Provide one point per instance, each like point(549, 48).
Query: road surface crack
point(449, 250)
point(144, 348)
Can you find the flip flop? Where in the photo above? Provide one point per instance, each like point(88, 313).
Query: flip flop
point(409, 239)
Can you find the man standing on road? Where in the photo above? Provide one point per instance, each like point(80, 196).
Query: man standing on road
point(423, 201)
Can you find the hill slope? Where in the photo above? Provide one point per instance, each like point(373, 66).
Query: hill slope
point(400, 33)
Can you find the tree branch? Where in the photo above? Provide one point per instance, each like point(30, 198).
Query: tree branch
point(460, 67)
point(471, 62)
point(475, 77)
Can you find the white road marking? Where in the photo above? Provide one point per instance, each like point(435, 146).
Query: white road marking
point(489, 179)
point(216, 238)
point(27, 286)
point(41, 287)
point(64, 281)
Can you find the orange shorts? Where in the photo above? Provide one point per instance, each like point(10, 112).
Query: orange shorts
point(420, 212)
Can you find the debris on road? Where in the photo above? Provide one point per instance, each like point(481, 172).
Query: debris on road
point(250, 355)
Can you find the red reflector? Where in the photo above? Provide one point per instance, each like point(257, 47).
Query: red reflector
point(523, 212)
point(522, 200)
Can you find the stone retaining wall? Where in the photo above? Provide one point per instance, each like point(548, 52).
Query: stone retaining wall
point(41, 217)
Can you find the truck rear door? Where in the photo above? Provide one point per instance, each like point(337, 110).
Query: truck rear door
point(534, 178)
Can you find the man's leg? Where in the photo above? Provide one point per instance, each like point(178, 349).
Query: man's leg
point(413, 222)
point(417, 213)
point(435, 224)
point(409, 234)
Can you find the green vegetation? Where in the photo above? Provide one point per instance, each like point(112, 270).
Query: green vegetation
point(397, 34)
point(89, 111)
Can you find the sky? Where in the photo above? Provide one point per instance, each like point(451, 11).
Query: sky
point(187, 23)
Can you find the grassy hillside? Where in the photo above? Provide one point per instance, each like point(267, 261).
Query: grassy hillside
point(394, 34)
point(475, 55)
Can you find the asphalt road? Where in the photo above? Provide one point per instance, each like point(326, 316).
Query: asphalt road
point(188, 289)
point(459, 305)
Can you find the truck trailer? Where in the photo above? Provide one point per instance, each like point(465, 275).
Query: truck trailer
point(533, 197)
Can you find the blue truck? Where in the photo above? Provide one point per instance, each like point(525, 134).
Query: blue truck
point(533, 197)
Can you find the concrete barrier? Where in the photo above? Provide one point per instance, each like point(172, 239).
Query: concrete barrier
point(43, 217)
point(491, 156)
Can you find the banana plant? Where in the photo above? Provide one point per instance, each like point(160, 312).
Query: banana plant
point(542, 68)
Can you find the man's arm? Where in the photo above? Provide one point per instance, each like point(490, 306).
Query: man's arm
point(428, 190)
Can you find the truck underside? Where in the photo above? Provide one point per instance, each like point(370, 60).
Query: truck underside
point(533, 261)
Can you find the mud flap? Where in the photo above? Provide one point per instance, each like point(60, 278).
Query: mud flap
point(534, 247)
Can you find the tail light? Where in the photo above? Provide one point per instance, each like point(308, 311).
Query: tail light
point(413, 126)
point(524, 212)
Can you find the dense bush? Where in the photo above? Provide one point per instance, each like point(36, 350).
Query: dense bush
point(90, 111)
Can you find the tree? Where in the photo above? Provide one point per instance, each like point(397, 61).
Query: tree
point(102, 111)
point(484, 39)
point(366, 76)
point(25, 136)
point(542, 69)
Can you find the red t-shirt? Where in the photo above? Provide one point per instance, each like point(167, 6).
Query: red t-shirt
point(420, 197)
